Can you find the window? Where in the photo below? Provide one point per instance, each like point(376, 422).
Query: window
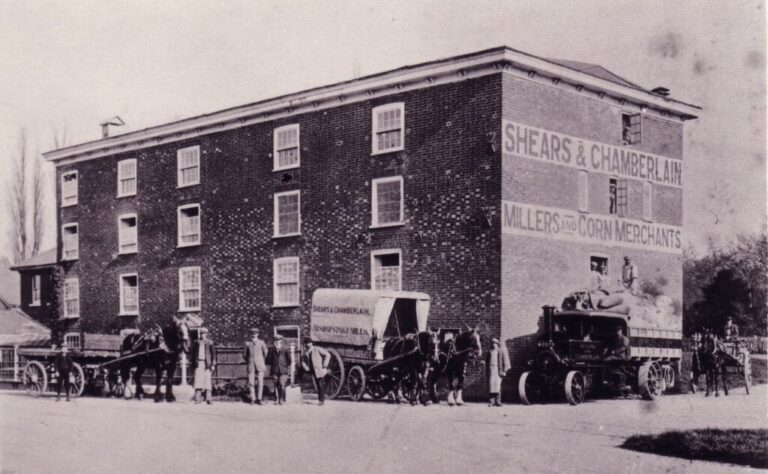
point(129, 294)
point(69, 189)
point(286, 290)
point(385, 270)
point(188, 163)
point(647, 201)
point(598, 272)
point(70, 240)
point(388, 126)
point(71, 298)
point(35, 291)
point(291, 334)
point(189, 225)
point(127, 236)
point(286, 147)
point(73, 340)
point(387, 201)
point(126, 178)
point(9, 364)
point(287, 214)
point(612, 196)
point(583, 191)
point(630, 128)
point(189, 289)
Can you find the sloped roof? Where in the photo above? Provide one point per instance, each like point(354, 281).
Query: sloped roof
point(16, 328)
point(46, 258)
point(596, 71)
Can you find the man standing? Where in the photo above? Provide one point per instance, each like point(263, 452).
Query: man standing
point(203, 365)
point(629, 275)
point(315, 360)
point(496, 367)
point(255, 354)
point(594, 277)
point(279, 360)
point(64, 365)
point(730, 330)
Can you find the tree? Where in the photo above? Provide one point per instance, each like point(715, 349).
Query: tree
point(727, 281)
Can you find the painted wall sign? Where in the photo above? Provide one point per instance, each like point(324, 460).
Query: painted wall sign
point(573, 226)
point(565, 150)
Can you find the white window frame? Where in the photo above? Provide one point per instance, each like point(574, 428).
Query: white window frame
point(77, 241)
point(276, 283)
point(35, 297)
point(68, 297)
point(182, 306)
point(375, 201)
point(275, 150)
point(121, 178)
point(123, 311)
point(375, 127)
point(648, 201)
point(74, 196)
point(73, 340)
point(583, 191)
point(377, 253)
point(120, 220)
point(179, 234)
point(179, 183)
point(276, 214)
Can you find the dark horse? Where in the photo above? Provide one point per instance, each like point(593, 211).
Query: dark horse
point(158, 349)
point(417, 353)
point(712, 363)
point(453, 358)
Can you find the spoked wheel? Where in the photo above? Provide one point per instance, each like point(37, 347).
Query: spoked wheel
point(356, 383)
point(529, 388)
point(334, 380)
point(670, 376)
point(575, 387)
point(650, 380)
point(377, 387)
point(408, 388)
point(35, 379)
point(76, 380)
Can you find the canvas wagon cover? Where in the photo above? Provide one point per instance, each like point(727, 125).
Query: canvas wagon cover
point(354, 316)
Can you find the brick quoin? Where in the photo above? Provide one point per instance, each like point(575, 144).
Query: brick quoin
point(455, 177)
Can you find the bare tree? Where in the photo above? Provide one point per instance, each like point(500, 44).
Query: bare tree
point(26, 194)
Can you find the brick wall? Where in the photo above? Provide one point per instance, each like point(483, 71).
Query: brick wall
point(42, 312)
point(450, 174)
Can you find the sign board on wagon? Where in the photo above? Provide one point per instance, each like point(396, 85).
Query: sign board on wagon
point(344, 318)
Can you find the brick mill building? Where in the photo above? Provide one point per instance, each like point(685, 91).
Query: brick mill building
point(490, 181)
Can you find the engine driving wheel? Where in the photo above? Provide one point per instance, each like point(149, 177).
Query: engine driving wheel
point(650, 380)
point(529, 388)
point(575, 387)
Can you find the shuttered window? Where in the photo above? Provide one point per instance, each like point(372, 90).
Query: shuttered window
point(188, 164)
point(126, 178)
point(286, 147)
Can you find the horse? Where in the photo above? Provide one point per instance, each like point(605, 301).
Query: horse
point(158, 349)
point(412, 371)
point(712, 363)
point(453, 358)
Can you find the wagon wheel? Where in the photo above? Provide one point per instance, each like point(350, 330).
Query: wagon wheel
point(529, 388)
point(408, 388)
point(76, 380)
point(34, 378)
point(376, 387)
point(334, 379)
point(650, 380)
point(575, 387)
point(356, 383)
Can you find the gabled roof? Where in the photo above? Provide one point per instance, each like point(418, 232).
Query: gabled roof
point(44, 259)
point(16, 328)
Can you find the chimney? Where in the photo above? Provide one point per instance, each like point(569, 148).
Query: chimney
point(115, 121)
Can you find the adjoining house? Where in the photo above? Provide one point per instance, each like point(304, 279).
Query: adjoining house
point(17, 330)
point(491, 181)
point(37, 286)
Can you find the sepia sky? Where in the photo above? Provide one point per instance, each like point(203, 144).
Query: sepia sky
point(67, 65)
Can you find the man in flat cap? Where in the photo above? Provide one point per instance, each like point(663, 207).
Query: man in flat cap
point(255, 354)
point(64, 365)
point(496, 367)
point(203, 364)
point(279, 360)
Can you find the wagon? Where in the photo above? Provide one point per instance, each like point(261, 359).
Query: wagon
point(736, 357)
point(570, 365)
point(354, 325)
point(40, 375)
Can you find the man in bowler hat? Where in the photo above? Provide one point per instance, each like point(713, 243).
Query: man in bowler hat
point(279, 360)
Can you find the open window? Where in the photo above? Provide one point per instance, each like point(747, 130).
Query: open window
point(631, 128)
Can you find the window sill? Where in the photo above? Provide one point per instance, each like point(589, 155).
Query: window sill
point(286, 305)
point(388, 150)
point(189, 310)
point(127, 314)
point(181, 246)
point(384, 226)
point(294, 167)
point(295, 234)
point(70, 259)
point(34, 305)
point(71, 316)
point(130, 252)
point(125, 195)
point(180, 186)
point(68, 205)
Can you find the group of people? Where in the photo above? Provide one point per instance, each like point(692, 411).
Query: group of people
point(599, 280)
